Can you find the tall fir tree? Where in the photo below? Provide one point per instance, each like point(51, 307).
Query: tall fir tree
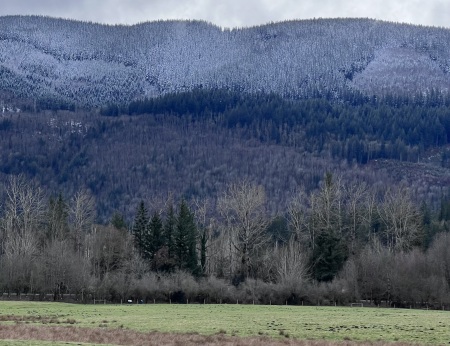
point(140, 228)
point(204, 236)
point(118, 221)
point(156, 234)
point(57, 218)
point(186, 240)
point(169, 231)
point(328, 257)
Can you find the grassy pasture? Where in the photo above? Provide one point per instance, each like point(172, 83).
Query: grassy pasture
point(281, 322)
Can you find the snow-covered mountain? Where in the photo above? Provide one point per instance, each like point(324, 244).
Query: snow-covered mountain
point(92, 64)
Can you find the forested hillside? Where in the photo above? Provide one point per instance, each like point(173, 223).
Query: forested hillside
point(63, 64)
point(303, 161)
point(193, 144)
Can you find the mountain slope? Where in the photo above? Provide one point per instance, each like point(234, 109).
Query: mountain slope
point(194, 144)
point(90, 64)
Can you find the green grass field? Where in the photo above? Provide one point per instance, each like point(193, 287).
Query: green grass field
point(325, 323)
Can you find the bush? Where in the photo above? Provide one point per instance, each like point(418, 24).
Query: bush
point(214, 290)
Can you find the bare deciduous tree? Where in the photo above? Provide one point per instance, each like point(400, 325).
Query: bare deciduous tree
point(299, 221)
point(328, 208)
point(82, 215)
point(401, 220)
point(243, 208)
point(24, 208)
point(356, 193)
point(291, 264)
point(58, 268)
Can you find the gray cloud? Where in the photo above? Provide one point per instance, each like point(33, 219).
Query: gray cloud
point(234, 13)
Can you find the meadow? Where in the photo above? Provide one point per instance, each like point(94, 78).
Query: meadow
point(29, 322)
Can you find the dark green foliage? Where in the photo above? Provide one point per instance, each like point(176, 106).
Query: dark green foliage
point(156, 234)
point(358, 129)
point(162, 233)
point(140, 230)
point(204, 237)
point(185, 240)
point(118, 221)
point(169, 231)
point(163, 245)
point(330, 246)
point(278, 229)
point(198, 102)
point(328, 257)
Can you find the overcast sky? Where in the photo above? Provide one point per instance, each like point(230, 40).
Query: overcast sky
point(234, 13)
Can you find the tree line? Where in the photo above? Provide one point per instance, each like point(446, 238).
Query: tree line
point(338, 244)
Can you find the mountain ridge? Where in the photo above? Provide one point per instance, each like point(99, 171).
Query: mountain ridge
point(89, 64)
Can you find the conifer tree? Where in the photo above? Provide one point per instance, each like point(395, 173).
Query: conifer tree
point(140, 228)
point(329, 249)
point(328, 257)
point(156, 234)
point(186, 240)
point(118, 221)
point(169, 231)
point(57, 218)
point(203, 242)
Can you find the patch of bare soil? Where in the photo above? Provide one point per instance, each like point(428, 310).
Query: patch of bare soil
point(36, 319)
point(127, 337)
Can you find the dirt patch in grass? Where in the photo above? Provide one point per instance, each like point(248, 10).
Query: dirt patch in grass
point(36, 319)
point(127, 337)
